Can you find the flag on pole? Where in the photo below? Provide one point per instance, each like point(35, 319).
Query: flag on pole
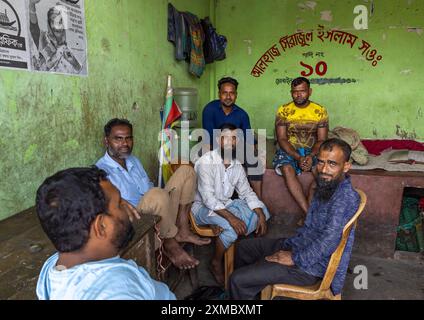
point(170, 113)
point(173, 115)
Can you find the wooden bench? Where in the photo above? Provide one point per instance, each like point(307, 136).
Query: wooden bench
point(24, 248)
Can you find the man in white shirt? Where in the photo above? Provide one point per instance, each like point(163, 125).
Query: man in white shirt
point(219, 174)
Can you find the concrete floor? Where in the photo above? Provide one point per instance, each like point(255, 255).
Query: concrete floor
point(399, 278)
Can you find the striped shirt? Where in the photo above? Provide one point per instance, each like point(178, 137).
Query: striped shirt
point(316, 241)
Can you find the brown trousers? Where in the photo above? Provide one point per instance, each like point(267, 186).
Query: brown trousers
point(165, 202)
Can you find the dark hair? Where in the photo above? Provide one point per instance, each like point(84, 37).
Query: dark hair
point(116, 122)
point(228, 126)
point(330, 143)
point(67, 203)
point(227, 80)
point(299, 81)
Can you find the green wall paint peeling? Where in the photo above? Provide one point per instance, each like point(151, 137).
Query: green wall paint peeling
point(30, 153)
point(52, 122)
point(72, 145)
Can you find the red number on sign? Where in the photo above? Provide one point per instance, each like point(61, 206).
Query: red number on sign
point(320, 69)
point(310, 70)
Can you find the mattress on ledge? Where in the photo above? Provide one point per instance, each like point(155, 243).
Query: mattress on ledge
point(382, 162)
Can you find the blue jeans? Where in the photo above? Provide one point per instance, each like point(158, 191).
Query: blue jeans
point(238, 208)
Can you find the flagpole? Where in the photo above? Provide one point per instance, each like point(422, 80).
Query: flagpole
point(160, 158)
point(168, 88)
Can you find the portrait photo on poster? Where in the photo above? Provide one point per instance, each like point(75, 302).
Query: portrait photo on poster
point(57, 36)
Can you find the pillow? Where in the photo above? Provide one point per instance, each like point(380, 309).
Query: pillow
point(351, 137)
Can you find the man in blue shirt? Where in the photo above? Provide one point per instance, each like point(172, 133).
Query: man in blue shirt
point(303, 258)
point(172, 204)
point(88, 222)
point(224, 111)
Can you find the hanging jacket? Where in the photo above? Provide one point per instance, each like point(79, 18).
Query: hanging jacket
point(178, 33)
point(215, 44)
point(197, 59)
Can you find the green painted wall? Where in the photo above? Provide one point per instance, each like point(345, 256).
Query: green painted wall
point(386, 102)
point(52, 122)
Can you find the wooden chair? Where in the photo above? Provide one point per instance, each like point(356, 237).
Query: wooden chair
point(320, 290)
point(204, 231)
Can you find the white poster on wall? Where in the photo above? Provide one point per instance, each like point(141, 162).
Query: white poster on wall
point(57, 36)
point(14, 51)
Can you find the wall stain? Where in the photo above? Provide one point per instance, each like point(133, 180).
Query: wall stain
point(87, 117)
point(135, 106)
point(105, 45)
point(420, 113)
point(326, 15)
point(418, 31)
point(405, 134)
point(29, 153)
point(308, 5)
point(72, 144)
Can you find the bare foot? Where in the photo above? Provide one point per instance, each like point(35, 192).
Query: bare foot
point(188, 236)
point(179, 258)
point(217, 271)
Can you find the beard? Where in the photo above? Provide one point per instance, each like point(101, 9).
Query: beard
point(227, 103)
point(326, 188)
point(118, 154)
point(124, 234)
point(228, 154)
point(301, 102)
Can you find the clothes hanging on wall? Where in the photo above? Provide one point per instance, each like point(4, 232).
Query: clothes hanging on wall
point(197, 59)
point(178, 33)
point(195, 41)
point(215, 44)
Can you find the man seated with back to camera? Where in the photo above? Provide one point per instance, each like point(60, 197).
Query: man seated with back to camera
point(88, 223)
